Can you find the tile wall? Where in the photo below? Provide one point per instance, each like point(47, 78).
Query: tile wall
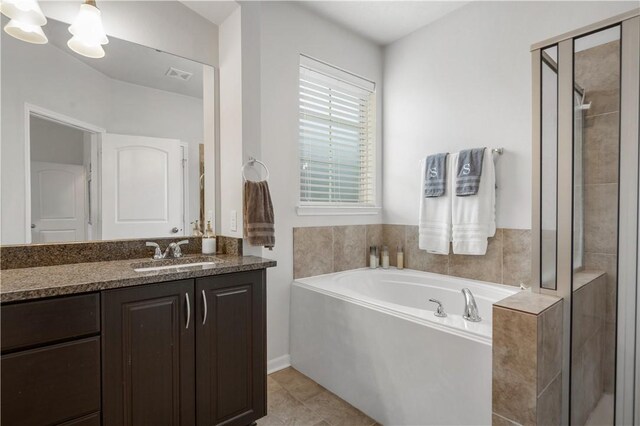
point(597, 71)
point(527, 360)
point(323, 250)
point(587, 345)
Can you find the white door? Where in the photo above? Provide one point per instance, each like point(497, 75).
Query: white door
point(141, 187)
point(57, 202)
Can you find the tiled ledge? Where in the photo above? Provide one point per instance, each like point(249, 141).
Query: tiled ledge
point(527, 360)
point(323, 250)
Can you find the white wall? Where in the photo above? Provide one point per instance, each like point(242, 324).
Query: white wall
point(230, 197)
point(465, 81)
point(166, 25)
point(38, 85)
point(143, 111)
point(287, 30)
point(53, 79)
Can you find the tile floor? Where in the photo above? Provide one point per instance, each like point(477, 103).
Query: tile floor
point(295, 399)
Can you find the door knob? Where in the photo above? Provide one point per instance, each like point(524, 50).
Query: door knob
point(174, 230)
point(33, 226)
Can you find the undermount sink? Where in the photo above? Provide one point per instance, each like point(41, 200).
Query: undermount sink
point(182, 263)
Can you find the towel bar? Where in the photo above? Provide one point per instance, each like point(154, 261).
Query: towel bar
point(498, 151)
point(251, 162)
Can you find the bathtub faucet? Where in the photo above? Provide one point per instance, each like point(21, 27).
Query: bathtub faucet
point(439, 310)
point(470, 307)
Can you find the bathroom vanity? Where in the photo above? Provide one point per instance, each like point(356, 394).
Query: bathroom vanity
point(99, 343)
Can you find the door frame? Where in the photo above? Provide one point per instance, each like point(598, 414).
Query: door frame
point(628, 323)
point(47, 114)
point(184, 147)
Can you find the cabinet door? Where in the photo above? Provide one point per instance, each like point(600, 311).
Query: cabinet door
point(231, 356)
point(51, 384)
point(148, 355)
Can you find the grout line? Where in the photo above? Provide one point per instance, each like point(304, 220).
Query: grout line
point(601, 114)
point(549, 384)
point(505, 418)
point(333, 249)
point(502, 257)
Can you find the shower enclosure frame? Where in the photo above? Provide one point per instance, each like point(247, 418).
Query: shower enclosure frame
point(627, 375)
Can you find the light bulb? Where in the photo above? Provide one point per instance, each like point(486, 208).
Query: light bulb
point(26, 32)
point(88, 33)
point(26, 18)
point(26, 12)
point(94, 51)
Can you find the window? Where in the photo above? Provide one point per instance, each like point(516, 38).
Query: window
point(337, 137)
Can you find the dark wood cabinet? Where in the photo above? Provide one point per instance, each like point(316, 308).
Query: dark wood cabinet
point(230, 349)
point(50, 365)
point(32, 324)
point(148, 355)
point(189, 352)
point(51, 384)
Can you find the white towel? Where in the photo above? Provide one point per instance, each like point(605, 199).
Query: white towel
point(474, 217)
point(434, 224)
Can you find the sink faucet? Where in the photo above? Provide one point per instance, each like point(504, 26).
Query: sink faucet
point(177, 252)
point(173, 248)
point(470, 307)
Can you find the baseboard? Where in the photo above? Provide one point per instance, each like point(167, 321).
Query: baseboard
point(278, 364)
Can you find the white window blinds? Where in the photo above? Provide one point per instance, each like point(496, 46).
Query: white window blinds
point(337, 136)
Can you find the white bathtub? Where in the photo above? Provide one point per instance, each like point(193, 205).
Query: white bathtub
point(370, 336)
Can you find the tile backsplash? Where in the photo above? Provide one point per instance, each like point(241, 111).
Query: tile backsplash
point(327, 249)
point(34, 255)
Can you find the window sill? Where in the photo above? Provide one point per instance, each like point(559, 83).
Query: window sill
point(337, 210)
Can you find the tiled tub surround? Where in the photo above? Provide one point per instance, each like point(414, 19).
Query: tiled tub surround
point(527, 360)
point(37, 255)
point(597, 70)
point(588, 344)
point(323, 250)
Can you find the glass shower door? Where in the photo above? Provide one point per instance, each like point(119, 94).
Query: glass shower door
point(586, 194)
point(596, 154)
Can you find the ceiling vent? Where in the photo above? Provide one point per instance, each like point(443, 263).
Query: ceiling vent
point(178, 74)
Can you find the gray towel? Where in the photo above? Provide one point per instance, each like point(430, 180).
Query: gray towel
point(435, 175)
point(258, 215)
point(469, 171)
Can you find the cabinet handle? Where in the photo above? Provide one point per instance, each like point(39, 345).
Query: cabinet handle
point(204, 301)
point(186, 297)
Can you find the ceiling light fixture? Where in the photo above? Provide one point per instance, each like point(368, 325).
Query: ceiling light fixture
point(88, 32)
point(26, 21)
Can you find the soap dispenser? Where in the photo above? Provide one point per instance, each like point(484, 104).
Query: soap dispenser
point(209, 240)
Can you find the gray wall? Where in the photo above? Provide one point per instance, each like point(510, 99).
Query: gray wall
point(55, 143)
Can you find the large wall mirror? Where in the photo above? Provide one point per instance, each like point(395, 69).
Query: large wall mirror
point(100, 149)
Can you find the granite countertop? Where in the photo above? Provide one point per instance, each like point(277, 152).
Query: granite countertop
point(47, 281)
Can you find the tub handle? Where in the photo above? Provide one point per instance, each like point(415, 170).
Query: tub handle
point(439, 310)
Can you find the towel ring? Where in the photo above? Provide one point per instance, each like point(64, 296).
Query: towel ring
point(251, 162)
